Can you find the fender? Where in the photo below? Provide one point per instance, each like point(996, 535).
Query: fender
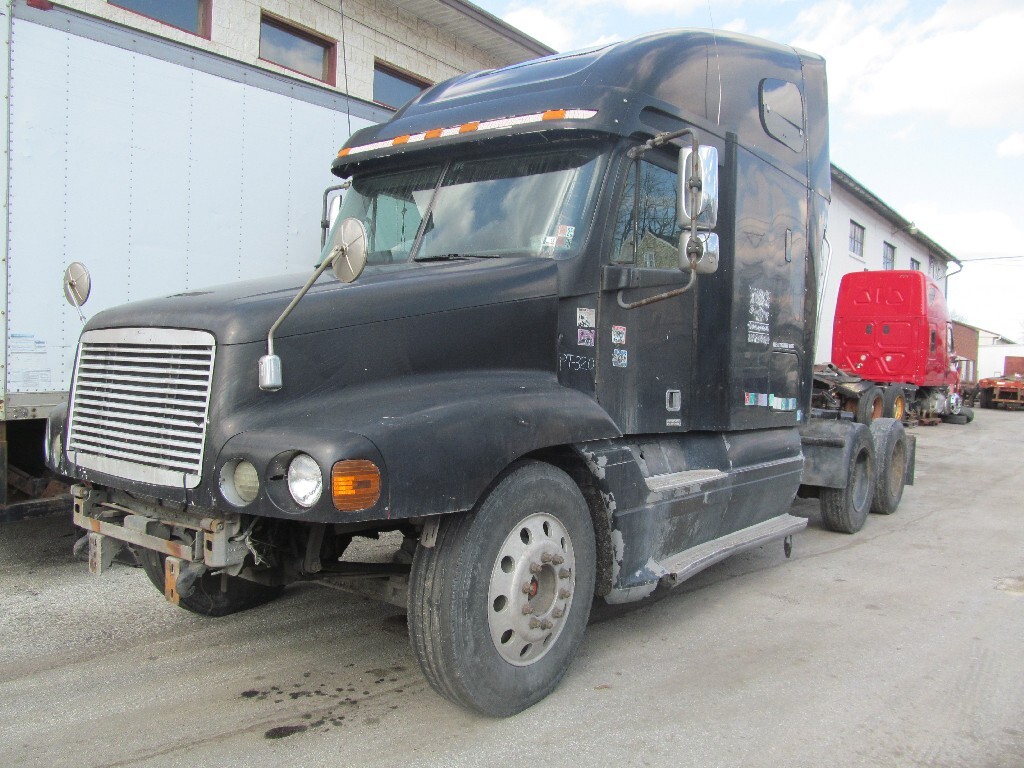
point(439, 440)
point(827, 447)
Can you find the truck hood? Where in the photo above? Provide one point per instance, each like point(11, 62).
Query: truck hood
point(243, 312)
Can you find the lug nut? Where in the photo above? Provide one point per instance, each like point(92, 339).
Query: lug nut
point(534, 623)
point(546, 624)
point(558, 612)
point(564, 594)
point(557, 559)
point(527, 609)
point(527, 587)
point(546, 557)
point(536, 568)
point(564, 573)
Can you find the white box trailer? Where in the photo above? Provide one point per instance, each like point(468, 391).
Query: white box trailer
point(161, 168)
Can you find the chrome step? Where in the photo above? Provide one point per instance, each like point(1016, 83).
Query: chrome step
point(689, 562)
point(689, 480)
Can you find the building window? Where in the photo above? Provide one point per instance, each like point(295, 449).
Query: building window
point(888, 256)
point(915, 264)
point(296, 49)
point(936, 268)
point(393, 88)
point(190, 15)
point(856, 239)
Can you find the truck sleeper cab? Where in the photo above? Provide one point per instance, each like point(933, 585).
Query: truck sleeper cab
point(576, 364)
point(893, 335)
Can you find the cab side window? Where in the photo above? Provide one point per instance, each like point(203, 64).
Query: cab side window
point(652, 215)
point(782, 112)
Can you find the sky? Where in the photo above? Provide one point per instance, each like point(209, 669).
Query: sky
point(926, 110)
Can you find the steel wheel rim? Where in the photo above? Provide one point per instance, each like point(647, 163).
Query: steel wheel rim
point(532, 583)
point(898, 408)
point(898, 468)
point(861, 481)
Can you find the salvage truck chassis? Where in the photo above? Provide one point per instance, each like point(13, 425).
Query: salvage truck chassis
point(549, 360)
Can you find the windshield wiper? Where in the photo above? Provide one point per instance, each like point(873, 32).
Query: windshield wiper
point(457, 256)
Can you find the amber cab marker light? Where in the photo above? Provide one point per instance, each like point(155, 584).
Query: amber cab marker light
point(355, 485)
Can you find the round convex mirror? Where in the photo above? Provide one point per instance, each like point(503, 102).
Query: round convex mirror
point(350, 252)
point(77, 284)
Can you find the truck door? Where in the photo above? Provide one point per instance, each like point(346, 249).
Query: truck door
point(644, 354)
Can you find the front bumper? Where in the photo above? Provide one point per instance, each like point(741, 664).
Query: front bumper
point(114, 519)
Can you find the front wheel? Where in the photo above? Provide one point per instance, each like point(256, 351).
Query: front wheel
point(214, 594)
point(498, 606)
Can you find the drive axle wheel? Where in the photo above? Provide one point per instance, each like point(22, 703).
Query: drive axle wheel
point(844, 510)
point(869, 405)
point(498, 606)
point(894, 403)
point(891, 457)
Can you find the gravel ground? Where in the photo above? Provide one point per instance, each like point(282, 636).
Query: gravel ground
point(900, 646)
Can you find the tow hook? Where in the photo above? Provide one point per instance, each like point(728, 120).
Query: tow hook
point(180, 578)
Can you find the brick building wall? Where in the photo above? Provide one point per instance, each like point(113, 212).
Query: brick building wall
point(965, 343)
point(370, 30)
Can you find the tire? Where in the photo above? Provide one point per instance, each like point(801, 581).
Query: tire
point(844, 510)
point(472, 639)
point(968, 413)
point(891, 456)
point(209, 599)
point(894, 403)
point(956, 418)
point(985, 398)
point(869, 405)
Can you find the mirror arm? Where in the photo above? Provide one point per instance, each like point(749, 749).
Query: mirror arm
point(73, 292)
point(661, 139)
point(298, 297)
point(270, 364)
point(661, 296)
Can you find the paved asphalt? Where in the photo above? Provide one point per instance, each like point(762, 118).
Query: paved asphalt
point(900, 646)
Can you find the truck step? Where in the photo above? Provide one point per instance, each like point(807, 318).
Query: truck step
point(687, 481)
point(691, 561)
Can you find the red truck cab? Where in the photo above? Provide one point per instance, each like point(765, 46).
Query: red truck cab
point(893, 326)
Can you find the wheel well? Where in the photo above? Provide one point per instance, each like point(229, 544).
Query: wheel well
point(574, 465)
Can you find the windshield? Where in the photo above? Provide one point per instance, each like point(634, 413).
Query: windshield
point(529, 203)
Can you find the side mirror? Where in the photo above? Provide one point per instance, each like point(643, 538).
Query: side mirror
point(707, 262)
point(348, 256)
point(707, 215)
point(331, 209)
point(77, 284)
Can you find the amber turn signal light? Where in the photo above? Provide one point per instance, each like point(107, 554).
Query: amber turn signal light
point(355, 485)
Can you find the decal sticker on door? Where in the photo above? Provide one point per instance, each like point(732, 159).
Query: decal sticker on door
point(757, 319)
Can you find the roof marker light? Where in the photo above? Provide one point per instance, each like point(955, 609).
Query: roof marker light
point(473, 127)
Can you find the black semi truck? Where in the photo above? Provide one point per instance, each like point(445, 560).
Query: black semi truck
point(568, 355)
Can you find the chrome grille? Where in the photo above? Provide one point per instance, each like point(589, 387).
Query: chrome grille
point(139, 404)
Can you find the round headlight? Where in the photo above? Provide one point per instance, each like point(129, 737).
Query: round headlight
point(305, 481)
point(239, 482)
